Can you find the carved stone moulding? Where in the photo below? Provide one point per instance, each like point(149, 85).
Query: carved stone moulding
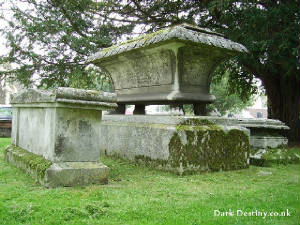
point(173, 65)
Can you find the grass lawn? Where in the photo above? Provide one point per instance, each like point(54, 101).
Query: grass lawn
point(139, 195)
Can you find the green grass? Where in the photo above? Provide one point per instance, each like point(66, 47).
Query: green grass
point(138, 195)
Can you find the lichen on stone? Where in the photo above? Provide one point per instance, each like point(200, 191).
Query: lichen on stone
point(208, 147)
point(201, 145)
point(142, 37)
point(33, 162)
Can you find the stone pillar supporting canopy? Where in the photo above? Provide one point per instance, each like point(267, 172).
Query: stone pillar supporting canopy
point(62, 126)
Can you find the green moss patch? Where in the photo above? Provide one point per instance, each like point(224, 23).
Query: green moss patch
point(196, 122)
point(208, 147)
point(26, 160)
point(201, 145)
point(270, 156)
point(142, 37)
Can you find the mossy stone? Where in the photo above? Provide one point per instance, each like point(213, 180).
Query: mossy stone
point(208, 147)
point(32, 161)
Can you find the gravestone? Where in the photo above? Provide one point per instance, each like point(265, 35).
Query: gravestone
point(60, 129)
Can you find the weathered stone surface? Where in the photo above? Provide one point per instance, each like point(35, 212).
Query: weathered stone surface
point(33, 164)
point(63, 127)
point(173, 65)
point(268, 141)
point(63, 95)
point(264, 142)
point(193, 144)
point(183, 32)
point(57, 131)
point(264, 134)
point(59, 174)
point(76, 174)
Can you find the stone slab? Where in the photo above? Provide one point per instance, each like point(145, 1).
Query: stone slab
point(63, 94)
point(183, 32)
point(70, 174)
point(53, 175)
point(167, 119)
point(181, 147)
point(264, 134)
point(58, 134)
point(265, 142)
point(32, 164)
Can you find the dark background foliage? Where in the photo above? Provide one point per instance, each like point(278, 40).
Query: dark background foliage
point(49, 40)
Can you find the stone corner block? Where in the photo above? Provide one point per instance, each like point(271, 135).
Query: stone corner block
point(70, 174)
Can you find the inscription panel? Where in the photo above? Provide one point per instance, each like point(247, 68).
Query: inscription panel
point(143, 70)
point(196, 66)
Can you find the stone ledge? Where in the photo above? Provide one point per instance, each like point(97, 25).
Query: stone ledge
point(34, 165)
point(65, 95)
point(167, 119)
point(60, 174)
point(269, 156)
point(182, 32)
point(265, 142)
point(70, 174)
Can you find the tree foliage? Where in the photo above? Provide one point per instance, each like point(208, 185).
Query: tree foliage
point(226, 101)
point(52, 38)
point(49, 40)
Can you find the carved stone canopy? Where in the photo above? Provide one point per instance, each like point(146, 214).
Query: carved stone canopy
point(173, 65)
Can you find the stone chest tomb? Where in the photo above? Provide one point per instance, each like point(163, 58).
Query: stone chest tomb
point(170, 66)
point(55, 135)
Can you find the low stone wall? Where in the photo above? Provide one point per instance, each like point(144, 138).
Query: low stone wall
point(62, 126)
point(5, 128)
point(178, 144)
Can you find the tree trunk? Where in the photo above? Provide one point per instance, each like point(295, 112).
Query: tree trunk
point(284, 102)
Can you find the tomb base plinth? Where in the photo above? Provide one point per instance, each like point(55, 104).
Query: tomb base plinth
point(175, 143)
